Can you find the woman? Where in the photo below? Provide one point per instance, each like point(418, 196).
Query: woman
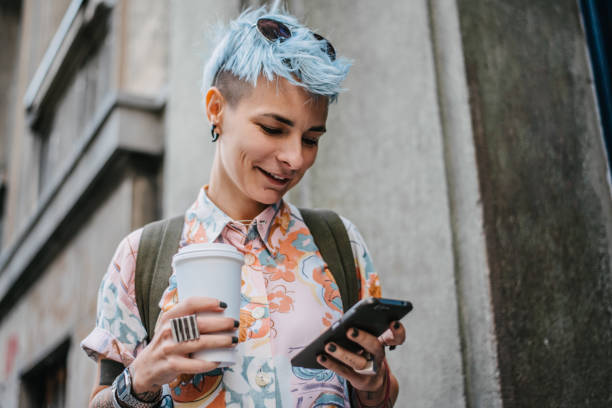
point(268, 86)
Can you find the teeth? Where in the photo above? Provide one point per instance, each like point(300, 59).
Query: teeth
point(275, 177)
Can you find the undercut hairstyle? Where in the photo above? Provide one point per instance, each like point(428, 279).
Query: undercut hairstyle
point(243, 54)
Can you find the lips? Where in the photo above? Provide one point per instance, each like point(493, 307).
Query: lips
point(276, 179)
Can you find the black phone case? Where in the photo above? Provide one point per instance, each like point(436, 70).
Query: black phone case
point(373, 315)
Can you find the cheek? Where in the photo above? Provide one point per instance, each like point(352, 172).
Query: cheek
point(310, 158)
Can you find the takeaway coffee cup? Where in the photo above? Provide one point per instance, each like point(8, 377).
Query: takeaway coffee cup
point(211, 270)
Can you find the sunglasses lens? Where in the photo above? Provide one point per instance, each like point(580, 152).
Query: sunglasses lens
point(273, 30)
point(330, 49)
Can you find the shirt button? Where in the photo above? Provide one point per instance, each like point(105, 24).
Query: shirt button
point(263, 379)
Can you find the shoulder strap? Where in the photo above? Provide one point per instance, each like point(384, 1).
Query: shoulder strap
point(333, 242)
point(158, 243)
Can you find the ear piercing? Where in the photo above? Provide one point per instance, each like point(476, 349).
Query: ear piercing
point(213, 134)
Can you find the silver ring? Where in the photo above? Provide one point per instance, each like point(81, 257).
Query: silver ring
point(184, 328)
point(369, 369)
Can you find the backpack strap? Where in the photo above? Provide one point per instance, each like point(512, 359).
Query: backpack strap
point(332, 239)
point(158, 243)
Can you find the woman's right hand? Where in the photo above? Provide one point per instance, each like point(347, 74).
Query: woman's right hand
point(164, 359)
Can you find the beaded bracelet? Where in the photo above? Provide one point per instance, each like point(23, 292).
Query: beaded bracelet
point(386, 402)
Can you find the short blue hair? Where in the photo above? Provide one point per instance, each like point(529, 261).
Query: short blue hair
point(246, 54)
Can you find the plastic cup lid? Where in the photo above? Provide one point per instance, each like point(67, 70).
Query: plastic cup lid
point(209, 249)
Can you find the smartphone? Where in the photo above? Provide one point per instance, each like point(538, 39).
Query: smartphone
point(371, 314)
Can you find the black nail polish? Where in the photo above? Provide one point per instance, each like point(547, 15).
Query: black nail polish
point(391, 347)
point(396, 325)
point(323, 358)
point(234, 339)
point(223, 305)
point(236, 323)
point(355, 333)
point(331, 347)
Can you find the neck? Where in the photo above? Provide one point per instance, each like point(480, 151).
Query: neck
point(224, 194)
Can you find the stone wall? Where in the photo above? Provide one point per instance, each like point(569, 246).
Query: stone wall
point(546, 197)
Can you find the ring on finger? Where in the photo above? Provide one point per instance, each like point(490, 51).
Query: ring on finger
point(184, 328)
point(370, 368)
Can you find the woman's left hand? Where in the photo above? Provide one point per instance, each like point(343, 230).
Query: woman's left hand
point(345, 363)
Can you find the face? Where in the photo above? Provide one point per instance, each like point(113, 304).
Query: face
point(267, 142)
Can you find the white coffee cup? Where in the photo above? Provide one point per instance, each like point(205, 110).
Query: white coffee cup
point(211, 270)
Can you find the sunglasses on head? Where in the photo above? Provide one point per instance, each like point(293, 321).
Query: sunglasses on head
point(274, 30)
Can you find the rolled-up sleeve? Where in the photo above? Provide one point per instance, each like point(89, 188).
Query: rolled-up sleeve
point(119, 333)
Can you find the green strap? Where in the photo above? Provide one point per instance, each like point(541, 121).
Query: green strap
point(333, 242)
point(158, 243)
point(109, 370)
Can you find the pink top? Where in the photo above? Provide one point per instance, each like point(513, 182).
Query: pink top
point(288, 298)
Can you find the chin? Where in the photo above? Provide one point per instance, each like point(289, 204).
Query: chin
point(268, 197)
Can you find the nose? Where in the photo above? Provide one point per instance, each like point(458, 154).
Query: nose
point(290, 152)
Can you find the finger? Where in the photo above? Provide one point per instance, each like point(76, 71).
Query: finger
point(344, 371)
point(206, 341)
point(369, 342)
point(359, 381)
point(394, 336)
point(186, 365)
point(194, 305)
point(211, 324)
point(352, 360)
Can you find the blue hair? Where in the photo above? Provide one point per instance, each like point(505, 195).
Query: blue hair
point(303, 60)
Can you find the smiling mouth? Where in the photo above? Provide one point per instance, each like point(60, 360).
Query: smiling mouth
point(275, 178)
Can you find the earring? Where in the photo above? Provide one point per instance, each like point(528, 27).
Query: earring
point(214, 135)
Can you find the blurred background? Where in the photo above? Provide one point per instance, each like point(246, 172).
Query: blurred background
point(470, 149)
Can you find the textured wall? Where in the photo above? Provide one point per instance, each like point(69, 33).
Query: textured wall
point(546, 200)
point(63, 303)
point(189, 152)
point(381, 164)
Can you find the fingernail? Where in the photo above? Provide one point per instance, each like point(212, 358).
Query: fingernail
point(234, 339)
point(355, 333)
point(331, 347)
point(391, 347)
point(323, 358)
point(223, 305)
point(396, 325)
point(236, 323)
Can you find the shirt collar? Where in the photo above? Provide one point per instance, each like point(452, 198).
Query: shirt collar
point(205, 221)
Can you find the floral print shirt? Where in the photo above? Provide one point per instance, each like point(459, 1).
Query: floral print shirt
point(289, 296)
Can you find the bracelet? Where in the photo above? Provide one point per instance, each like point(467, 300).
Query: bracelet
point(386, 402)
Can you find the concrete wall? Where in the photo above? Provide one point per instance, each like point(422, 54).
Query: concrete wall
point(381, 164)
point(189, 152)
point(546, 196)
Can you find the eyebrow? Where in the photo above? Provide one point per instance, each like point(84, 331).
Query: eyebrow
point(290, 123)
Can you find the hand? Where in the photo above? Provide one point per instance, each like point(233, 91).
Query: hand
point(344, 362)
point(164, 359)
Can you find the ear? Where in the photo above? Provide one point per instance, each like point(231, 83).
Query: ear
point(215, 104)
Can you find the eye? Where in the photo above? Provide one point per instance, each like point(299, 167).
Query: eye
point(310, 142)
point(271, 131)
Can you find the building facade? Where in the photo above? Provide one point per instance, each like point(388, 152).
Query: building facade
point(473, 126)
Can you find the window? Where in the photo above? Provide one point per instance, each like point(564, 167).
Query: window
point(44, 385)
